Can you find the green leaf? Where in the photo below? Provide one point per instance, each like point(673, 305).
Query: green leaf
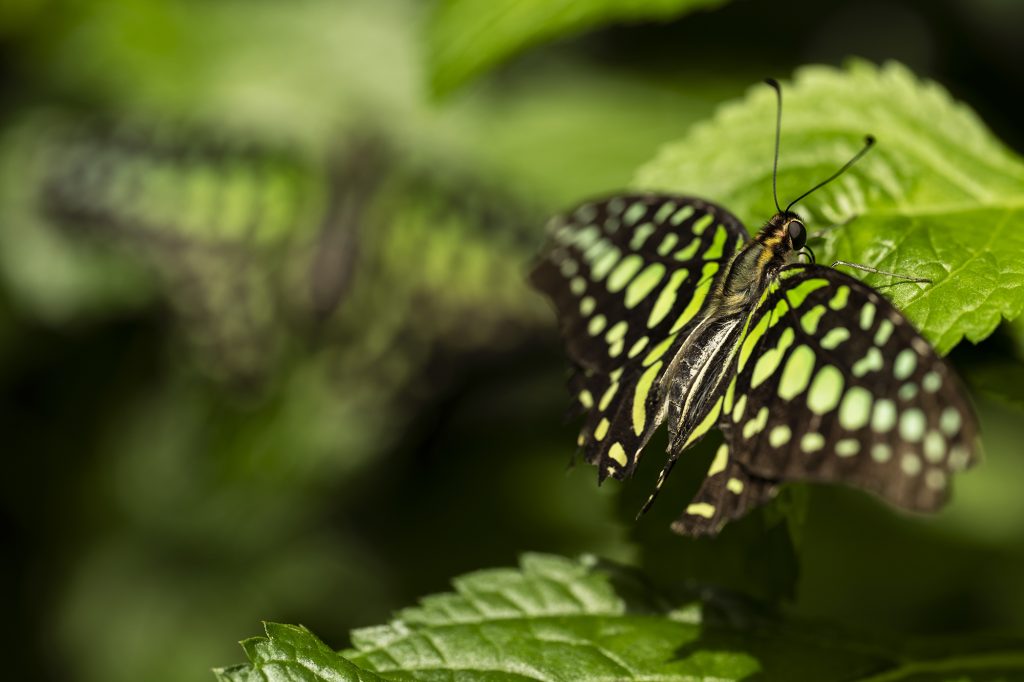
point(292, 653)
point(559, 619)
point(467, 37)
point(938, 197)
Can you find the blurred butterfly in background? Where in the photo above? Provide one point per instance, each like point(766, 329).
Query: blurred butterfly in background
point(672, 314)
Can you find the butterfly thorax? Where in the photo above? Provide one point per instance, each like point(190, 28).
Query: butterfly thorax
point(759, 262)
point(701, 367)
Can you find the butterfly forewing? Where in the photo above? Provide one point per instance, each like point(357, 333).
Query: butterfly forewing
point(629, 276)
point(833, 384)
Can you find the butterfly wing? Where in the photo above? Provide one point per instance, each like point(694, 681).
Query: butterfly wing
point(833, 384)
point(628, 276)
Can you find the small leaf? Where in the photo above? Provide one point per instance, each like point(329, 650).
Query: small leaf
point(468, 37)
point(559, 619)
point(938, 197)
point(292, 653)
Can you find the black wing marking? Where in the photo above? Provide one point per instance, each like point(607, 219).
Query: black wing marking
point(833, 384)
point(628, 276)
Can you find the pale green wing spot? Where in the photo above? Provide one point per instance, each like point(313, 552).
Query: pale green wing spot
point(664, 211)
point(797, 373)
point(643, 388)
point(905, 363)
point(912, 425)
point(701, 509)
point(598, 250)
point(950, 421)
point(668, 243)
point(667, 298)
point(586, 238)
point(740, 408)
point(602, 429)
point(618, 454)
point(750, 340)
point(699, 294)
point(855, 410)
point(586, 399)
point(910, 464)
point(702, 223)
point(659, 350)
point(934, 447)
point(644, 283)
point(797, 294)
point(880, 452)
point(840, 298)
point(717, 245)
point(834, 337)
point(606, 399)
point(720, 461)
point(809, 320)
point(578, 285)
point(640, 236)
point(706, 424)
point(779, 436)
point(908, 391)
point(826, 390)
point(624, 272)
point(867, 316)
point(596, 324)
point(681, 215)
point(884, 416)
point(931, 382)
point(885, 328)
point(605, 263)
point(847, 447)
point(729, 392)
point(770, 360)
point(638, 347)
point(871, 362)
point(757, 424)
point(617, 331)
point(634, 213)
point(735, 486)
point(688, 251)
point(587, 305)
point(812, 442)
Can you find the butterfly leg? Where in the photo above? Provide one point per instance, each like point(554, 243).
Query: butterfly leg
point(866, 268)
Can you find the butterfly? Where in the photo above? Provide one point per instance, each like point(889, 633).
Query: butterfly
point(673, 314)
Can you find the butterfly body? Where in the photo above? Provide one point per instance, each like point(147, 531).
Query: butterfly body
point(674, 315)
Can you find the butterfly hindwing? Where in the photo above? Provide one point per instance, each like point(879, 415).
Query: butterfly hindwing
point(833, 384)
point(628, 276)
point(728, 492)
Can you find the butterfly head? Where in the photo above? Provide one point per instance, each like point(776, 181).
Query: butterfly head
point(785, 231)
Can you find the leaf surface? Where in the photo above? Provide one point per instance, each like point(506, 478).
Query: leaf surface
point(559, 619)
point(467, 37)
point(938, 197)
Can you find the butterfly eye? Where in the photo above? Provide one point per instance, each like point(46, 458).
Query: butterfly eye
point(797, 234)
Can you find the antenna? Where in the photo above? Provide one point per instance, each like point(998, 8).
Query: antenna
point(869, 141)
point(778, 133)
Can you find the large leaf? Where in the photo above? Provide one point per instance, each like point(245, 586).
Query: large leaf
point(468, 37)
point(939, 197)
point(557, 619)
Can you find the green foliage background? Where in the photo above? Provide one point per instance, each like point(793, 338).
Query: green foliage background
point(267, 352)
